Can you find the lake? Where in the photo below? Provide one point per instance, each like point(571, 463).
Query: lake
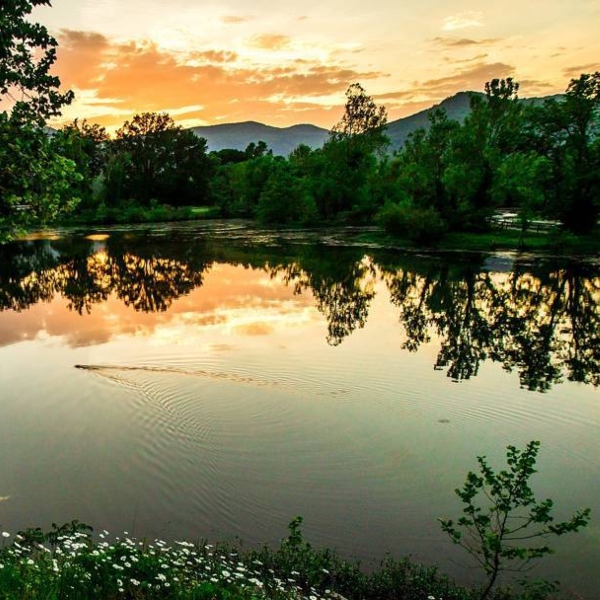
point(214, 380)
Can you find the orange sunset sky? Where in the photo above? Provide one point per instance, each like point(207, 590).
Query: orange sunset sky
point(289, 62)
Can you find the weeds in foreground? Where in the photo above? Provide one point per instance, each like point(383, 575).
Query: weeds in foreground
point(504, 526)
point(66, 563)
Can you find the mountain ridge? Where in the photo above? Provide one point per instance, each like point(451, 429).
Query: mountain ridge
point(283, 140)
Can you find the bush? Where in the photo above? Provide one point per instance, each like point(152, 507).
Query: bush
point(421, 225)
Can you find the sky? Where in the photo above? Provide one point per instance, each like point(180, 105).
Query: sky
point(289, 62)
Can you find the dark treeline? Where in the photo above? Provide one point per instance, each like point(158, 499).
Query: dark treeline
point(538, 160)
point(541, 322)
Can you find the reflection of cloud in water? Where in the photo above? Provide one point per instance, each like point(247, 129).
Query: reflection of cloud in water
point(255, 329)
point(232, 300)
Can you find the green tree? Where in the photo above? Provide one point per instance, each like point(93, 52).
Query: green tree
point(86, 145)
point(568, 134)
point(27, 53)
point(502, 517)
point(35, 182)
point(285, 198)
point(162, 161)
point(492, 131)
point(363, 123)
point(344, 168)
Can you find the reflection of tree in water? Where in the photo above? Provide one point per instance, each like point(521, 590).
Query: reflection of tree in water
point(151, 284)
point(87, 276)
point(550, 324)
point(343, 290)
point(26, 275)
point(542, 325)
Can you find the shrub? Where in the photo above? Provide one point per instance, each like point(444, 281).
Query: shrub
point(421, 225)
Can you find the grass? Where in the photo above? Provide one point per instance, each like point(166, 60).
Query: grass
point(133, 212)
point(67, 563)
point(559, 242)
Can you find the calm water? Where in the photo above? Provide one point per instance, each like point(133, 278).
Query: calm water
point(236, 378)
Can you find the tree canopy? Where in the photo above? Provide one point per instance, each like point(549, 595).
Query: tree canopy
point(35, 181)
point(27, 53)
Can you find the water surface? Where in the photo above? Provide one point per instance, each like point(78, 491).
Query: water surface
point(234, 378)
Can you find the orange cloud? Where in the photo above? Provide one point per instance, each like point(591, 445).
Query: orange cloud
point(450, 42)
point(576, 71)
point(234, 19)
point(471, 78)
point(423, 94)
point(271, 41)
point(115, 80)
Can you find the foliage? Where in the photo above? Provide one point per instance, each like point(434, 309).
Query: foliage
point(567, 133)
point(86, 145)
point(27, 53)
point(322, 571)
point(154, 158)
point(65, 563)
point(420, 225)
point(363, 122)
point(35, 182)
point(502, 517)
point(285, 199)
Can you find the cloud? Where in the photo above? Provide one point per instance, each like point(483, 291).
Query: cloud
point(461, 61)
point(423, 94)
point(452, 42)
point(463, 20)
point(212, 56)
point(235, 19)
point(270, 41)
point(113, 79)
point(577, 70)
point(532, 87)
point(471, 78)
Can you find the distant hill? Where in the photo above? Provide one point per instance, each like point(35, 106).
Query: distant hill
point(282, 140)
point(456, 107)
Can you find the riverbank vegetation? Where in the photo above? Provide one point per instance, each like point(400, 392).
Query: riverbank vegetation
point(538, 162)
point(70, 563)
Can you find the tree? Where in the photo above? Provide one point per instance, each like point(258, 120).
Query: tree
point(569, 132)
point(285, 198)
point(162, 161)
point(35, 182)
point(499, 536)
point(421, 165)
point(86, 145)
point(363, 123)
point(27, 53)
point(344, 167)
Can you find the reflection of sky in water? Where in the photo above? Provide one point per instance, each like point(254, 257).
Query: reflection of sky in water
point(231, 299)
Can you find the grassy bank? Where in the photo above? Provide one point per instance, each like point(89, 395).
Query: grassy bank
point(136, 213)
point(69, 563)
point(553, 242)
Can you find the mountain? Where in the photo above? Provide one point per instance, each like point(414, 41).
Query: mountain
point(282, 140)
point(457, 107)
